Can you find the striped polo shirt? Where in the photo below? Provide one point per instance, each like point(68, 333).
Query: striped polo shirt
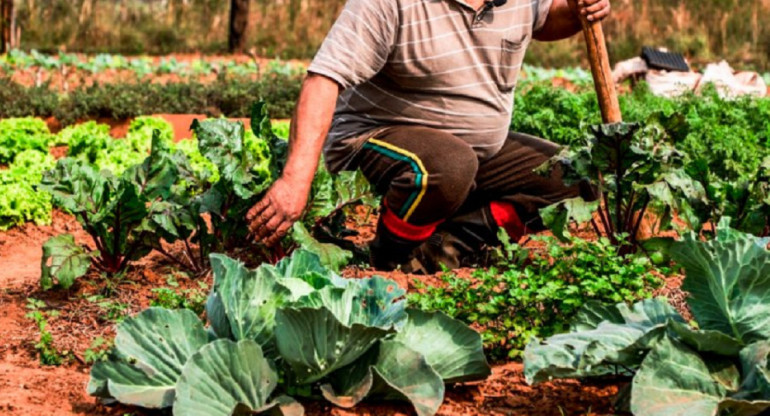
point(432, 63)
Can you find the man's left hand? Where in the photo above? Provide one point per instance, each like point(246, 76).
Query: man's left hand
point(594, 10)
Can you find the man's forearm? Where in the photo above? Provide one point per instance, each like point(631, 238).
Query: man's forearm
point(562, 22)
point(312, 119)
point(563, 17)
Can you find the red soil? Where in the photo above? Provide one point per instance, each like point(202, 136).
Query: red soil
point(27, 388)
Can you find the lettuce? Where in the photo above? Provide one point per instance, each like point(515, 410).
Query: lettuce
point(20, 201)
point(20, 134)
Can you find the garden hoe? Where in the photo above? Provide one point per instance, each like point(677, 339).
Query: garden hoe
point(601, 71)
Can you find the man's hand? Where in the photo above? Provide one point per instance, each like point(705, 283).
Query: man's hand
point(272, 217)
point(564, 17)
point(594, 10)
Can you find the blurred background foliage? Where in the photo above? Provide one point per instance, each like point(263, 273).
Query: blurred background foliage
point(705, 30)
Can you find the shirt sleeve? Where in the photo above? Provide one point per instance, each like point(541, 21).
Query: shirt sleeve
point(540, 9)
point(359, 43)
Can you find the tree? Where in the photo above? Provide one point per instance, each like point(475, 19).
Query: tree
point(239, 22)
point(6, 25)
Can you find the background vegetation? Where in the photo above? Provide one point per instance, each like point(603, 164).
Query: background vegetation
point(704, 30)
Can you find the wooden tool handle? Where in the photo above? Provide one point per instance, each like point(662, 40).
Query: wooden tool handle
point(600, 68)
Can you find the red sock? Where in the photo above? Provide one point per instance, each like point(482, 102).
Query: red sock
point(506, 217)
point(403, 229)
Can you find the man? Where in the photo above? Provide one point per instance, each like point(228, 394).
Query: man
point(423, 91)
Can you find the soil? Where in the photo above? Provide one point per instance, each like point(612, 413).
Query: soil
point(91, 308)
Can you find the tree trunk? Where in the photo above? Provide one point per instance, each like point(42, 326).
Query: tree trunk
point(7, 25)
point(2, 27)
point(6, 31)
point(239, 22)
point(85, 11)
point(15, 38)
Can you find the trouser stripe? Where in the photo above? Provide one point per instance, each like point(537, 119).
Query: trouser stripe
point(421, 174)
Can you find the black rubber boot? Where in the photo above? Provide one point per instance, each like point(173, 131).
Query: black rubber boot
point(459, 242)
point(388, 252)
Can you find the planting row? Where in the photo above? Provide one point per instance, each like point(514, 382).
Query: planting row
point(223, 95)
point(298, 330)
point(17, 60)
point(230, 97)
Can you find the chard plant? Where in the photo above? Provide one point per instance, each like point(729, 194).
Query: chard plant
point(111, 209)
point(207, 211)
point(294, 329)
point(164, 199)
point(333, 198)
point(633, 172)
point(714, 365)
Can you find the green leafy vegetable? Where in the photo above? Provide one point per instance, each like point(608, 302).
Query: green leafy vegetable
point(20, 134)
point(719, 367)
point(64, 261)
point(340, 335)
point(632, 170)
point(224, 378)
point(150, 352)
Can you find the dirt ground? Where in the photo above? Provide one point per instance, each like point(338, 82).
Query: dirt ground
point(89, 309)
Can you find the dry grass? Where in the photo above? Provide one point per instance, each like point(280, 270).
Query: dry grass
point(704, 30)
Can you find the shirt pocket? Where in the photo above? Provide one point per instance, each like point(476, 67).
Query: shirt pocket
point(512, 52)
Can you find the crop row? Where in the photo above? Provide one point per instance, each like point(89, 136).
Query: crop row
point(227, 97)
point(25, 150)
point(724, 142)
point(18, 60)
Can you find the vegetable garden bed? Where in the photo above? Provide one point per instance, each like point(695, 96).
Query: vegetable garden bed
point(27, 388)
point(140, 237)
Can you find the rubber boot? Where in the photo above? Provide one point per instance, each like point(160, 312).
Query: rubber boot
point(388, 251)
point(459, 242)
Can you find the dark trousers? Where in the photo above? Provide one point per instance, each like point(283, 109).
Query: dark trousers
point(428, 176)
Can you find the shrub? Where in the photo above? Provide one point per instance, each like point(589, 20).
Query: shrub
point(230, 97)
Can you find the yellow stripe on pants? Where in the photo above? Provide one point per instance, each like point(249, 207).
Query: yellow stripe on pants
point(423, 183)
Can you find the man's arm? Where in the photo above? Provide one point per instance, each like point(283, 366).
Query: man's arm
point(563, 22)
point(283, 204)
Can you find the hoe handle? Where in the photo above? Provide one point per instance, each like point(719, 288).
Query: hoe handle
point(600, 68)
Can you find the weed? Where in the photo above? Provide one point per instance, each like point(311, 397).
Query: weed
point(98, 351)
point(48, 353)
point(112, 311)
point(193, 299)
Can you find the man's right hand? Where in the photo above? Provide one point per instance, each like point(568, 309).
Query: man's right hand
point(283, 204)
point(272, 217)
